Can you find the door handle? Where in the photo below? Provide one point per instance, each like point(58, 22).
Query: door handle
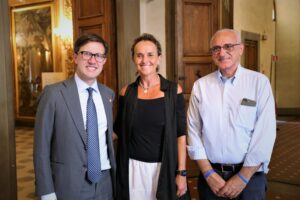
point(198, 74)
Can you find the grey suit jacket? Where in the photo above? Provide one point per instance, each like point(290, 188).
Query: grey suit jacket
point(60, 140)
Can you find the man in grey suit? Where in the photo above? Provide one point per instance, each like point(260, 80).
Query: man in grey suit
point(62, 143)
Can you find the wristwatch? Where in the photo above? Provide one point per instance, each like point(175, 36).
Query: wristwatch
point(181, 172)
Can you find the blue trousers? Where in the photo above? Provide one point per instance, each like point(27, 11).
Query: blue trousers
point(255, 189)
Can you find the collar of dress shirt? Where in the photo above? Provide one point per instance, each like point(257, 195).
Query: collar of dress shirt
point(232, 79)
point(82, 86)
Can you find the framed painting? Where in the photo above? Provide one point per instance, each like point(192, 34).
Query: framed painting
point(33, 54)
point(25, 2)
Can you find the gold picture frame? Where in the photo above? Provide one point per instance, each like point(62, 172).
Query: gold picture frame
point(25, 2)
point(32, 36)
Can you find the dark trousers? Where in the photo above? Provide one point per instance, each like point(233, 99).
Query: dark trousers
point(255, 189)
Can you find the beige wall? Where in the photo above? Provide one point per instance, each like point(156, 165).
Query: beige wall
point(128, 28)
point(288, 51)
point(152, 15)
point(256, 17)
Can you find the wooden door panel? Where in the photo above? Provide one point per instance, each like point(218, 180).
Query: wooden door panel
point(90, 9)
point(194, 71)
point(98, 16)
point(196, 21)
point(196, 32)
point(98, 28)
point(251, 54)
point(91, 22)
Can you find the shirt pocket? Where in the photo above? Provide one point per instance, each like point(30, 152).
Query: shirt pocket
point(246, 117)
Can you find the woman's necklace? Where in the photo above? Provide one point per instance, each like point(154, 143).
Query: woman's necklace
point(146, 89)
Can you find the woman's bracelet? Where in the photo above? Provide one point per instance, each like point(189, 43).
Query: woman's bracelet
point(243, 178)
point(207, 174)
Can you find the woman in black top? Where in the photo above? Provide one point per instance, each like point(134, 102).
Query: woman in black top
point(151, 125)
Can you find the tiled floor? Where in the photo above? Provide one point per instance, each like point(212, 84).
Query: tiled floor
point(284, 175)
point(25, 173)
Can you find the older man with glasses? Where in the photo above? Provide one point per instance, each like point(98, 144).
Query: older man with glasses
point(231, 125)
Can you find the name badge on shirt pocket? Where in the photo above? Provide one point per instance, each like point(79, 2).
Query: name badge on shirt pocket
point(247, 114)
point(248, 102)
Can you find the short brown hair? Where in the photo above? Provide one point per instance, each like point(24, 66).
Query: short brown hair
point(146, 37)
point(90, 37)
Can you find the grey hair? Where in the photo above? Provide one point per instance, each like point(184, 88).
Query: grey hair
point(235, 32)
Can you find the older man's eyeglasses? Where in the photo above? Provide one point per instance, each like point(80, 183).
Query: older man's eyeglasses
point(86, 55)
point(226, 47)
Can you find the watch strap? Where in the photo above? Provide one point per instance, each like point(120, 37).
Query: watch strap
point(181, 172)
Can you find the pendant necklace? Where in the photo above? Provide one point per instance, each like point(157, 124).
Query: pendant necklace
point(146, 89)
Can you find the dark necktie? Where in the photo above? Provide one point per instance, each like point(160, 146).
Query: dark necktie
point(93, 154)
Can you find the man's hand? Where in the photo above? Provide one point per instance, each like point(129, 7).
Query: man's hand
point(216, 183)
point(233, 187)
point(181, 184)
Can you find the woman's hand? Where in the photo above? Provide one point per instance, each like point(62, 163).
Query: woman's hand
point(181, 184)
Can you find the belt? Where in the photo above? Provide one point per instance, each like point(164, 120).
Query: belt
point(227, 167)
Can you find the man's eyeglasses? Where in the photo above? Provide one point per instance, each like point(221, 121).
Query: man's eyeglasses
point(226, 47)
point(86, 55)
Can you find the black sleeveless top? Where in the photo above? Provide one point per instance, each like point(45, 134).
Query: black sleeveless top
point(146, 142)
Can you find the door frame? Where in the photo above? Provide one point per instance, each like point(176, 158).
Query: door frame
point(8, 181)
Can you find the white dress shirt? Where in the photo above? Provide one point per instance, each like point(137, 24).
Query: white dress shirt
point(101, 116)
point(102, 123)
point(224, 128)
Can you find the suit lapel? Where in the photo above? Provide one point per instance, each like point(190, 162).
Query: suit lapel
point(70, 94)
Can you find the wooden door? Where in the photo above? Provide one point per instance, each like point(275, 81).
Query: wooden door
point(251, 54)
point(195, 23)
point(98, 16)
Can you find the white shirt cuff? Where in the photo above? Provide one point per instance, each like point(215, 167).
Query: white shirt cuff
point(51, 196)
